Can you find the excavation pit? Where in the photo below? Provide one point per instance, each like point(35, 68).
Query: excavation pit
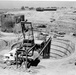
point(61, 48)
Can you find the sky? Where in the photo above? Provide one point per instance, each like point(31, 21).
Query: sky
point(4, 4)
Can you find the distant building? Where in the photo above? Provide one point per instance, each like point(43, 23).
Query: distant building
point(46, 9)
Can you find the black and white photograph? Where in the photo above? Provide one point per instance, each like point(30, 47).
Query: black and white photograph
point(37, 37)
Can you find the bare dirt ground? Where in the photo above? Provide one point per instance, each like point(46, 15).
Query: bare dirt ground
point(64, 66)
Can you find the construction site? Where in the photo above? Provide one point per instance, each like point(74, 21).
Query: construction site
point(38, 42)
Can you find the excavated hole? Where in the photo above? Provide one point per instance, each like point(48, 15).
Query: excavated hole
point(61, 48)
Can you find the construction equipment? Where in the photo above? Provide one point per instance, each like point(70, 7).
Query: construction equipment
point(30, 50)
